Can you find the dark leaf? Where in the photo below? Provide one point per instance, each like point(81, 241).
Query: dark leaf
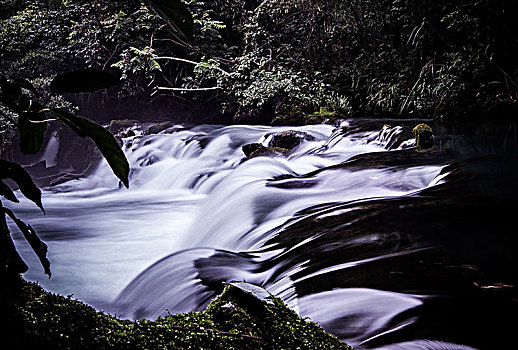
point(103, 139)
point(8, 254)
point(25, 84)
point(11, 91)
point(13, 171)
point(84, 80)
point(31, 134)
point(7, 192)
point(175, 14)
point(35, 242)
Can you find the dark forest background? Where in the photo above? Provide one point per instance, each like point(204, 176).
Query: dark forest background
point(286, 62)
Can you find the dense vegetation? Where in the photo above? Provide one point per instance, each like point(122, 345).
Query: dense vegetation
point(253, 61)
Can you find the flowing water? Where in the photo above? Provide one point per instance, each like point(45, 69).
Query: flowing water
point(349, 244)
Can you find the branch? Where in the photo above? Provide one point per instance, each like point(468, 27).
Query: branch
point(189, 61)
point(186, 89)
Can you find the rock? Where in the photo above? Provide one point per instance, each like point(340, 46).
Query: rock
point(253, 150)
point(159, 127)
point(322, 116)
point(252, 290)
point(119, 126)
point(423, 135)
point(301, 116)
point(289, 139)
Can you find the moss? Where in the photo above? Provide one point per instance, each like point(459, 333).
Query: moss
point(253, 150)
point(36, 318)
point(423, 137)
point(323, 115)
point(298, 116)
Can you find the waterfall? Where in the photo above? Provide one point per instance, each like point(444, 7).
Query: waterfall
point(199, 213)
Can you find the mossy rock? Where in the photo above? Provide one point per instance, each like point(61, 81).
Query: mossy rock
point(118, 126)
point(298, 116)
point(294, 118)
point(253, 150)
point(36, 318)
point(159, 127)
point(289, 139)
point(323, 115)
point(423, 135)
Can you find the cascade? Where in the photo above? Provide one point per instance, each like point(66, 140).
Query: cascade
point(307, 225)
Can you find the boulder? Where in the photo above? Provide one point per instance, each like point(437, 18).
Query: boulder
point(253, 150)
point(119, 126)
point(423, 135)
point(289, 139)
point(159, 127)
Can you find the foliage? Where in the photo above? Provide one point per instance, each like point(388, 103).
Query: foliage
point(21, 99)
point(40, 319)
point(364, 58)
point(250, 58)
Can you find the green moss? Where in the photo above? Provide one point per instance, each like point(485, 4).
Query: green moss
point(323, 115)
point(36, 318)
point(296, 116)
point(423, 137)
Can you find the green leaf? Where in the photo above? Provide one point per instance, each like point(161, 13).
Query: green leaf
point(6, 192)
point(176, 15)
point(103, 139)
point(35, 242)
point(15, 172)
point(31, 134)
point(84, 80)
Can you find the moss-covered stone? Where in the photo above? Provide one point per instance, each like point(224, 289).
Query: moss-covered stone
point(289, 139)
point(159, 127)
point(36, 318)
point(423, 137)
point(300, 116)
point(323, 115)
point(253, 150)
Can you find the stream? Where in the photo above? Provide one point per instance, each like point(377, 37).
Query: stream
point(383, 246)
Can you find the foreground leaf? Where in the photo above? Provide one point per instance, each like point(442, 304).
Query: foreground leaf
point(31, 131)
point(175, 14)
point(11, 92)
point(25, 84)
point(7, 193)
point(35, 242)
point(84, 80)
point(15, 172)
point(103, 139)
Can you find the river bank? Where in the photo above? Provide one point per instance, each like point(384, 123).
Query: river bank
point(233, 320)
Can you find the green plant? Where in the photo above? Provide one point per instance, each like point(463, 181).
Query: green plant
point(23, 107)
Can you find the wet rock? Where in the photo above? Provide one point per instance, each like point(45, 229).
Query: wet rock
point(159, 127)
point(253, 150)
point(423, 135)
point(289, 139)
point(117, 127)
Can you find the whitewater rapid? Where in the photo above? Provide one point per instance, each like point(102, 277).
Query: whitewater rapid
point(198, 211)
